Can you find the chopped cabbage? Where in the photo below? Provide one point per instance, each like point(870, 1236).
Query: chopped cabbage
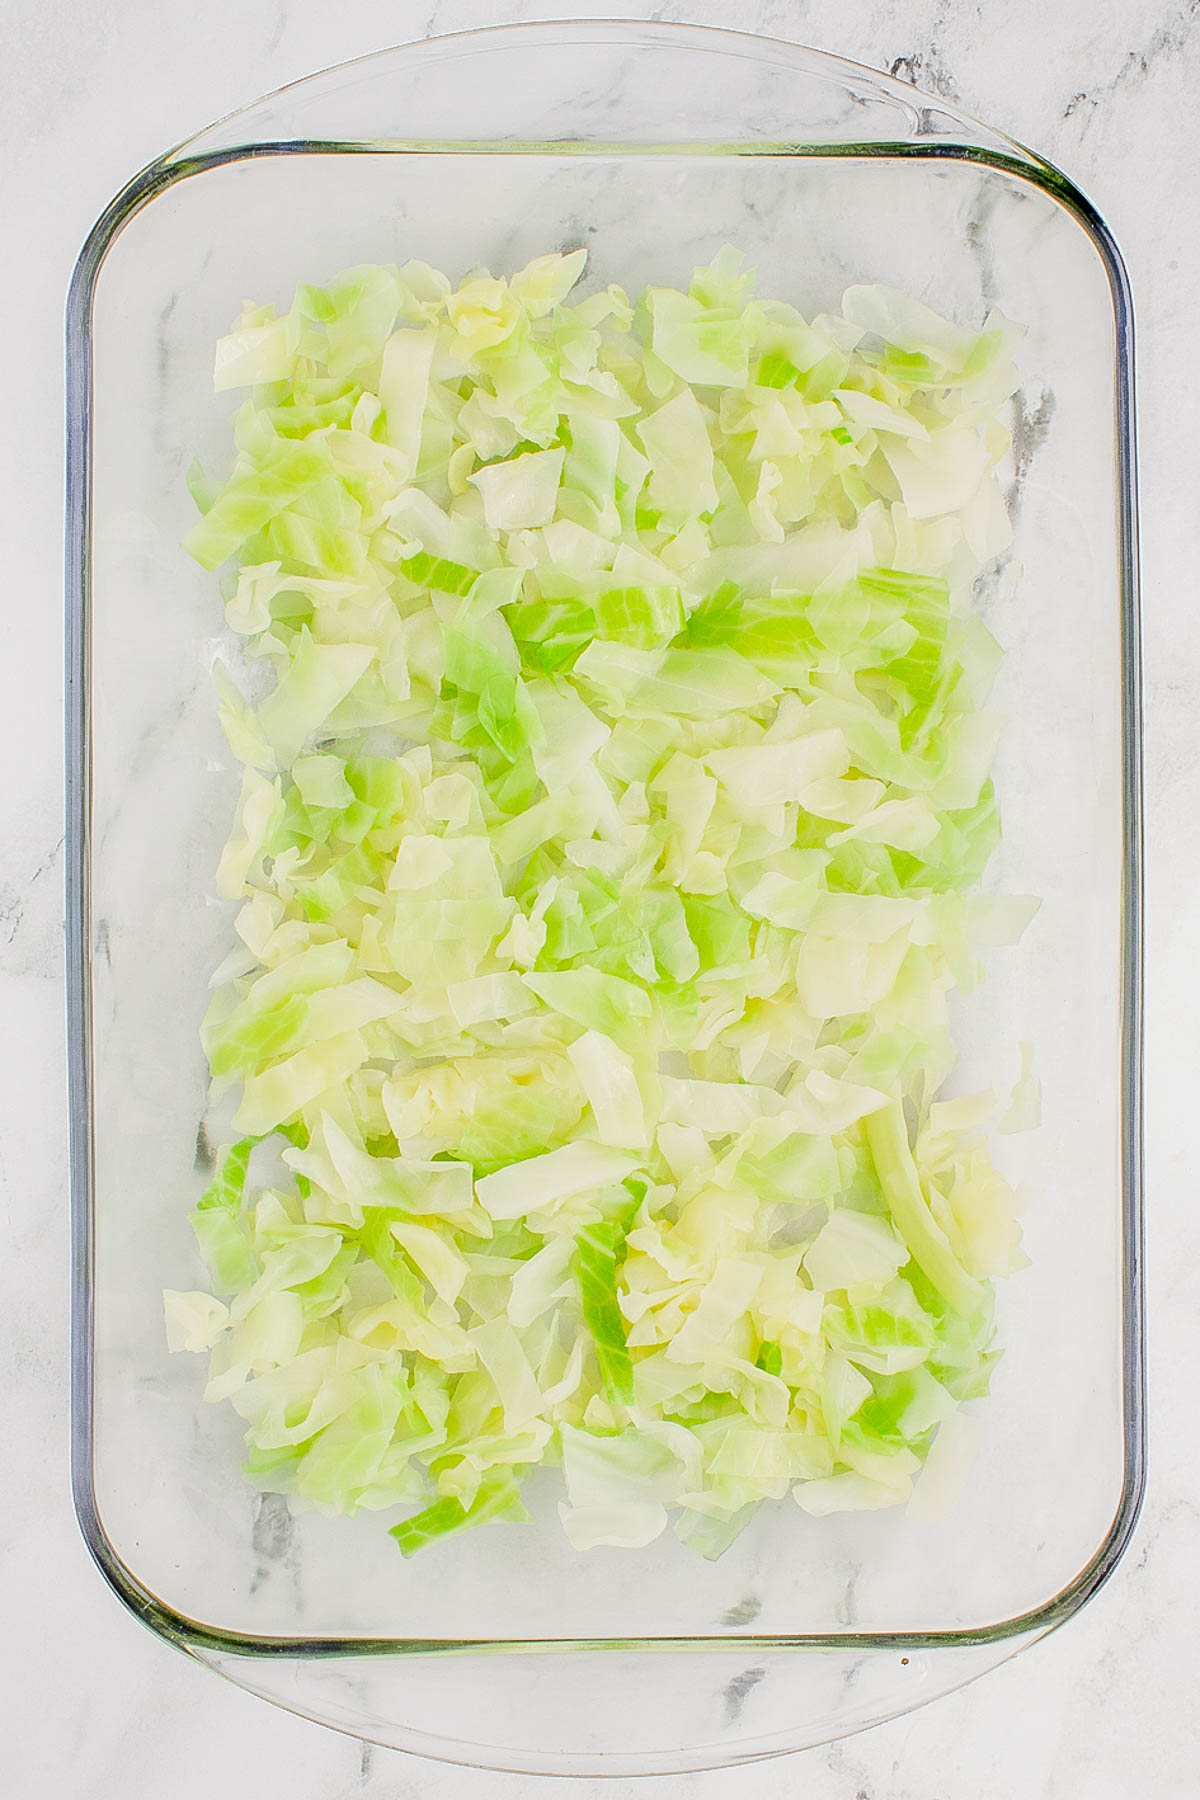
point(609, 810)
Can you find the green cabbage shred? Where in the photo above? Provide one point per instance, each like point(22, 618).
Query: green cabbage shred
point(610, 808)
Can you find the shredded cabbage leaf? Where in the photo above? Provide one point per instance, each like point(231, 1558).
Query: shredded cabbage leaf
point(616, 759)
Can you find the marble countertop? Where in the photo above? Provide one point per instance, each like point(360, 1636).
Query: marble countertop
point(1104, 1709)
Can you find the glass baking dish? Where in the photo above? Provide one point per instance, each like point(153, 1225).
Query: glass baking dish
point(651, 144)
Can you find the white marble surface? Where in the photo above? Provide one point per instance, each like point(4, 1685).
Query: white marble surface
point(95, 1708)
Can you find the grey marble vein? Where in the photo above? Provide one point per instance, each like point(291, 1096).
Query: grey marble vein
point(1165, 43)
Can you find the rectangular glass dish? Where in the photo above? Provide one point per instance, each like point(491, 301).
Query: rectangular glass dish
point(651, 146)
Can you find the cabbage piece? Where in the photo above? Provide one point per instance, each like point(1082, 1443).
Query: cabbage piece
point(258, 816)
point(778, 772)
point(676, 441)
point(927, 1241)
point(539, 1182)
point(259, 349)
point(599, 1249)
point(277, 1093)
point(852, 1250)
point(216, 1221)
point(498, 1497)
point(607, 1004)
point(702, 344)
point(522, 492)
point(608, 1076)
point(317, 678)
point(500, 1351)
point(404, 390)
point(618, 1487)
point(193, 1321)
